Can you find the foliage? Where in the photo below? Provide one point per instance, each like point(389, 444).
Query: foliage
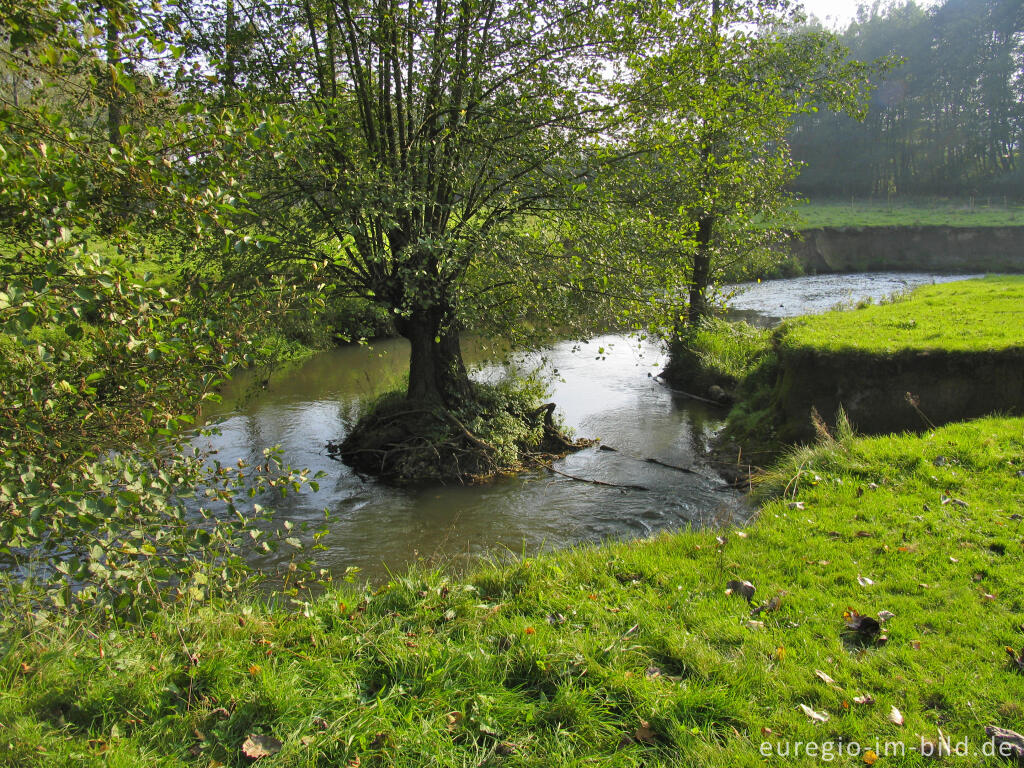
point(100, 375)
point(102, 368)
point(717, 351)
point(627, 653)
point(949, 121)
point(706, 190)
point(968, 315)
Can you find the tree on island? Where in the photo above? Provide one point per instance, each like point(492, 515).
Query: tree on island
point(445, 160)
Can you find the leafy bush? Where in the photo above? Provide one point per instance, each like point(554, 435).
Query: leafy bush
point(100, 375)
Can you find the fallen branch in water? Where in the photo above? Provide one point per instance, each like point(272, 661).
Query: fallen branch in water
point(692, 396)
point(599, 482)
point(650, 460)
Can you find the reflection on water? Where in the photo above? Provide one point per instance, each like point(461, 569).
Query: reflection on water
point(604, 390)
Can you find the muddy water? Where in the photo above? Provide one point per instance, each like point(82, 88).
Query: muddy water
point(605, 389)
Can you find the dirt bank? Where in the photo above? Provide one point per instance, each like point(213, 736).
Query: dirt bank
point(938, 249)
point(872, 389)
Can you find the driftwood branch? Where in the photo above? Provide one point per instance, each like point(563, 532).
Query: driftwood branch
point(650, 460)
point(692, 396)
point(599, 482)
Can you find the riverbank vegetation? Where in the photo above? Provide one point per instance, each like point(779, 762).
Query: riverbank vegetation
point(954, 335)
point(882, 576)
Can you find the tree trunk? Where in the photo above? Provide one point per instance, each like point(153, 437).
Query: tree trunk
point(437, 373)
point(701, 278)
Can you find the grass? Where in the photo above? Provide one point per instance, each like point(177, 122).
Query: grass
point(717, 352)
point(628, 654)
point(970, 212)
point(966, 316)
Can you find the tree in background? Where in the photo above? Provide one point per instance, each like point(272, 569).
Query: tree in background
point(707, 190)
point(949, 121)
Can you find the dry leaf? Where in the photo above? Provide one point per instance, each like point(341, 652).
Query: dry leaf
point(865, 699)
point(796, 505)
point(741, 588)
point(355, 762)
point(884, 616)
point(644, 733)
point(870, 757)
point(865, 627)
point(895, 716)
point(1006, 743)
point(755, 624)
point(915, 644)
point(454, 720)
point(258, 745)
point(1016, 658)
point(864, 581)
point(821, 717)
point(824, 677)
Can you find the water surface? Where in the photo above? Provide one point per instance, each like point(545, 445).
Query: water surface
point(605, 390)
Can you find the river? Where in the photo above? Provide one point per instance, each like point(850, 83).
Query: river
point(605, 389)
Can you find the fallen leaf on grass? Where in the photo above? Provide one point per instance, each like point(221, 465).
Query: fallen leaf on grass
point(796, 505)
point(1007, 743)
point(741, 588)
point(870, 757)
point(864, 581)
point(1016, 658)
point(258, 745)
point(824, 677)
point(895, 716)
point(821, 717)
point(770, 607)
point(884, 616)
point(645, 734)
point(454, 720)
point(755, 624)
point(863, 626)
point(867, 698)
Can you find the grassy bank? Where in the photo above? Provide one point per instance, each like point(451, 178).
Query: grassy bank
point(627, 654)
point(937, 212)
point(965, 316)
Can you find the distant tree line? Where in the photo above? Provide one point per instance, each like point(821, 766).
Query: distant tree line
point(948, 121)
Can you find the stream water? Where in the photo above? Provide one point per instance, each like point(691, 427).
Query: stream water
point(605, 389)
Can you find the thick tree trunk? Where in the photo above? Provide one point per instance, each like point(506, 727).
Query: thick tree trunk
point(701, 278)
point(437, 373)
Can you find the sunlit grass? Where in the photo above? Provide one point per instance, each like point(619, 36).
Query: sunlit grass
point(970, 315)
point(917, 212)
point(628, 654)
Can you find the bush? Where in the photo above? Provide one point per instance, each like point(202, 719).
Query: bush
point(100, 374)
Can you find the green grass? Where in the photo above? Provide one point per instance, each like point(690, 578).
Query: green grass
point(966, 316)
point(629, 654)
point(977, 212)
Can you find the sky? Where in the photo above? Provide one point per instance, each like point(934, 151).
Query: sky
point(839, 13)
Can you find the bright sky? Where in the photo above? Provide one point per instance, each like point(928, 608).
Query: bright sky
point(839, 13)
